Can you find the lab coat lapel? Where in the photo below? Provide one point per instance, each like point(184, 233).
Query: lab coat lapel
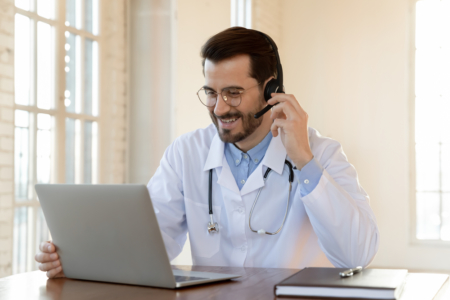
point(274, 159)
point(226, 178)
point(216, 160)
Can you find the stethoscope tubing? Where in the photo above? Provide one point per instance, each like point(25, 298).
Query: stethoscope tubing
point(213, 227)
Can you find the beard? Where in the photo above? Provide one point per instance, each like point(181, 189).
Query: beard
point(249, 124)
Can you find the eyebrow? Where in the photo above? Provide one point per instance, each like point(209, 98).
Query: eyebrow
point(228, 87)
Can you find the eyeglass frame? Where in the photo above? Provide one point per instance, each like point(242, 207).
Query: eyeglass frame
point(241, 91)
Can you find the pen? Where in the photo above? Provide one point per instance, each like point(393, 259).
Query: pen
point(350, 272)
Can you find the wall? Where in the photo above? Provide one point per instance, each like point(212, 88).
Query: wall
point(113, 93)
point(151, 41)
point(6, 133)
point(196, 22)
point(347, 62)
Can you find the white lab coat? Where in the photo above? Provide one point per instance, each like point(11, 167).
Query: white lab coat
point(333, 225)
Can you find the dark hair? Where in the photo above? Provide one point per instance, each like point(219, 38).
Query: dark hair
point(239, 40)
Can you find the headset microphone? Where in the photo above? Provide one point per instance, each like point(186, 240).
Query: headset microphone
point(273, 85)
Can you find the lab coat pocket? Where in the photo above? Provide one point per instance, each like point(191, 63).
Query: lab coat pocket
point(203, 244)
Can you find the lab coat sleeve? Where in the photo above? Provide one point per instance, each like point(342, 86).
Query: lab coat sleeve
point(339, 211)
point(166, 191)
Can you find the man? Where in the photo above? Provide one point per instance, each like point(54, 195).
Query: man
point(324, 220)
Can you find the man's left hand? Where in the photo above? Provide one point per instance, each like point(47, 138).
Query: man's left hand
point(293, 121)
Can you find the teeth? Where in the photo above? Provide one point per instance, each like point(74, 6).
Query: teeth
point(229, 121)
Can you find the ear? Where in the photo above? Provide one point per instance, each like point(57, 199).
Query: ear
point(266, 81)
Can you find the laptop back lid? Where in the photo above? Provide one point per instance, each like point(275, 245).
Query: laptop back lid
point(106, 233)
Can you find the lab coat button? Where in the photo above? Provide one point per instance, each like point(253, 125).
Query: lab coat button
point(243, 248)
point(306, 181)
point(240, 210)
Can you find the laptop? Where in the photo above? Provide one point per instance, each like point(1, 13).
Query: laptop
point(110, 233)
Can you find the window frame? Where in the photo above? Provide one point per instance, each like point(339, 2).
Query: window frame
point(58, 110)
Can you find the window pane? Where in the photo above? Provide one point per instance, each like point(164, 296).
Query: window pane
point(428, 120)
point(72, 150)
point(445, 160)
point(45, 56)
point(91, 77)
point(21, 154)
point(428, 72)
point(21, 236)
point(445, 11)
point(428, 216)
point(445, 72)
point(427, 167)
point(91, 16)
point(445, 229)
point(46, 8)
point(72, 59)
point(90, 152)
point(42, 233)
point(73, 13)
point(44, 148)
point(22, 59)
point(445, 120)
point(23, 4)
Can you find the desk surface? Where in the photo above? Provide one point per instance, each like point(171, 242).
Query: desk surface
point(255, 283)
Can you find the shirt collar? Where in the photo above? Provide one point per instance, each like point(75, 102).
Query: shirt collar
point(260, 150)
point(274, 156)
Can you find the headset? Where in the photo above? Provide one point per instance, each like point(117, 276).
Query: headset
point(274, 85)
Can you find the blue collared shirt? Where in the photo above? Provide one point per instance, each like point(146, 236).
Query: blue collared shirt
point(243, 164)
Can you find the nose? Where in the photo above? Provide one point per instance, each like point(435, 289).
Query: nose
point(221, 107)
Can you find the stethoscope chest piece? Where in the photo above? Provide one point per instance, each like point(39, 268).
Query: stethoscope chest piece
point(213, 227)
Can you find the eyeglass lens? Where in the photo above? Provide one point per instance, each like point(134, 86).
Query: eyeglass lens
point(231, 96)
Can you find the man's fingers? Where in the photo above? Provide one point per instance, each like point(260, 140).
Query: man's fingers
point(277, 123)
point(47, 247)
point(285, 98)
point(49, 266)
point(46, 257)
point(285, 108)
point(52, 273)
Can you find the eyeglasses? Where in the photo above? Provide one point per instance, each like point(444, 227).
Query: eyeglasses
point(232, 96)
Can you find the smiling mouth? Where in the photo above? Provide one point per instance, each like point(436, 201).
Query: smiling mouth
point(229, 120)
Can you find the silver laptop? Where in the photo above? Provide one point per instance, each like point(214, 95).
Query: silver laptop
point(110, 233)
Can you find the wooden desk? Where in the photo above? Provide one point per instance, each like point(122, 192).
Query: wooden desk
point(255, 283)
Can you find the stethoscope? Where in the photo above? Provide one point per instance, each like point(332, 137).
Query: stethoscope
point(213, 227)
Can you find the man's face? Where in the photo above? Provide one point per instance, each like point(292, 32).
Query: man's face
point(234, 124)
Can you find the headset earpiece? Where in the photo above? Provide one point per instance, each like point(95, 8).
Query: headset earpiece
point(271, 87)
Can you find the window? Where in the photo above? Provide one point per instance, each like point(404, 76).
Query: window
point(56, 109)
point(432, 119)
point(241, 13)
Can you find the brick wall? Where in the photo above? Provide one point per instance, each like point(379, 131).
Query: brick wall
point(6, 133)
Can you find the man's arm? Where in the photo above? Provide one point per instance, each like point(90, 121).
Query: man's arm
point(166, 191)
point(339, 211)
point(337, 206)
